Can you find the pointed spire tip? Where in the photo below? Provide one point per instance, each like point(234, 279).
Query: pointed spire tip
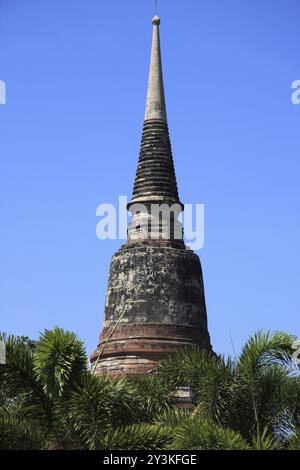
point(156, 20)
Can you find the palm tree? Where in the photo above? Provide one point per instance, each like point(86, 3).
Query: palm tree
point(50, 400)
point(36, 379)
point(255, 394)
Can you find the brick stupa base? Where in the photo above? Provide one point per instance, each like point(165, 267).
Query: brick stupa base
point(158, 293)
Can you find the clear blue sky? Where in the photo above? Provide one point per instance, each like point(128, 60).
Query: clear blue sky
point(76, 75)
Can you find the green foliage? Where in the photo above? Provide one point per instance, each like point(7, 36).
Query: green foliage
point(59, 360)
point(137, 437)
point(152, 396)
point(264, 349)
point(20, 384)
point(185, 367)
point(18, 373)
point(104, 406)
point(19, 434)
point(198, 434)
point(50, 400)
point(293, 442)
point(96, 406)
point(190, 431)
point(173, 417)
point(267, 441)
point(34, 387)
point(255, 392)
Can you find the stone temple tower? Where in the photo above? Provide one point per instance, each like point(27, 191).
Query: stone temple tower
point(155, 302)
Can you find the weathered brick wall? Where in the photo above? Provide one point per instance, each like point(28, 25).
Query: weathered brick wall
point(155, 284)
point(158, 293)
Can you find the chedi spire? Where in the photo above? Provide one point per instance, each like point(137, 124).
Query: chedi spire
point(156, 104)
point(155, 178)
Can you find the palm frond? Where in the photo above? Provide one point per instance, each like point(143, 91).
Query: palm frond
point(173, 417)
point(267, 441)
point(137, 437)
point(152, 396)
point(59, 360)
point(19, 434)
point(198, 434)
point(216, 392)
point(96, 406)
point(265, 348)
point(185, 367)
point(18, 372)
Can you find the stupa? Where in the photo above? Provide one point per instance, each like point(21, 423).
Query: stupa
point(155, 303)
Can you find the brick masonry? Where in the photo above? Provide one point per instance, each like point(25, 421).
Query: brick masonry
point(158, 293)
